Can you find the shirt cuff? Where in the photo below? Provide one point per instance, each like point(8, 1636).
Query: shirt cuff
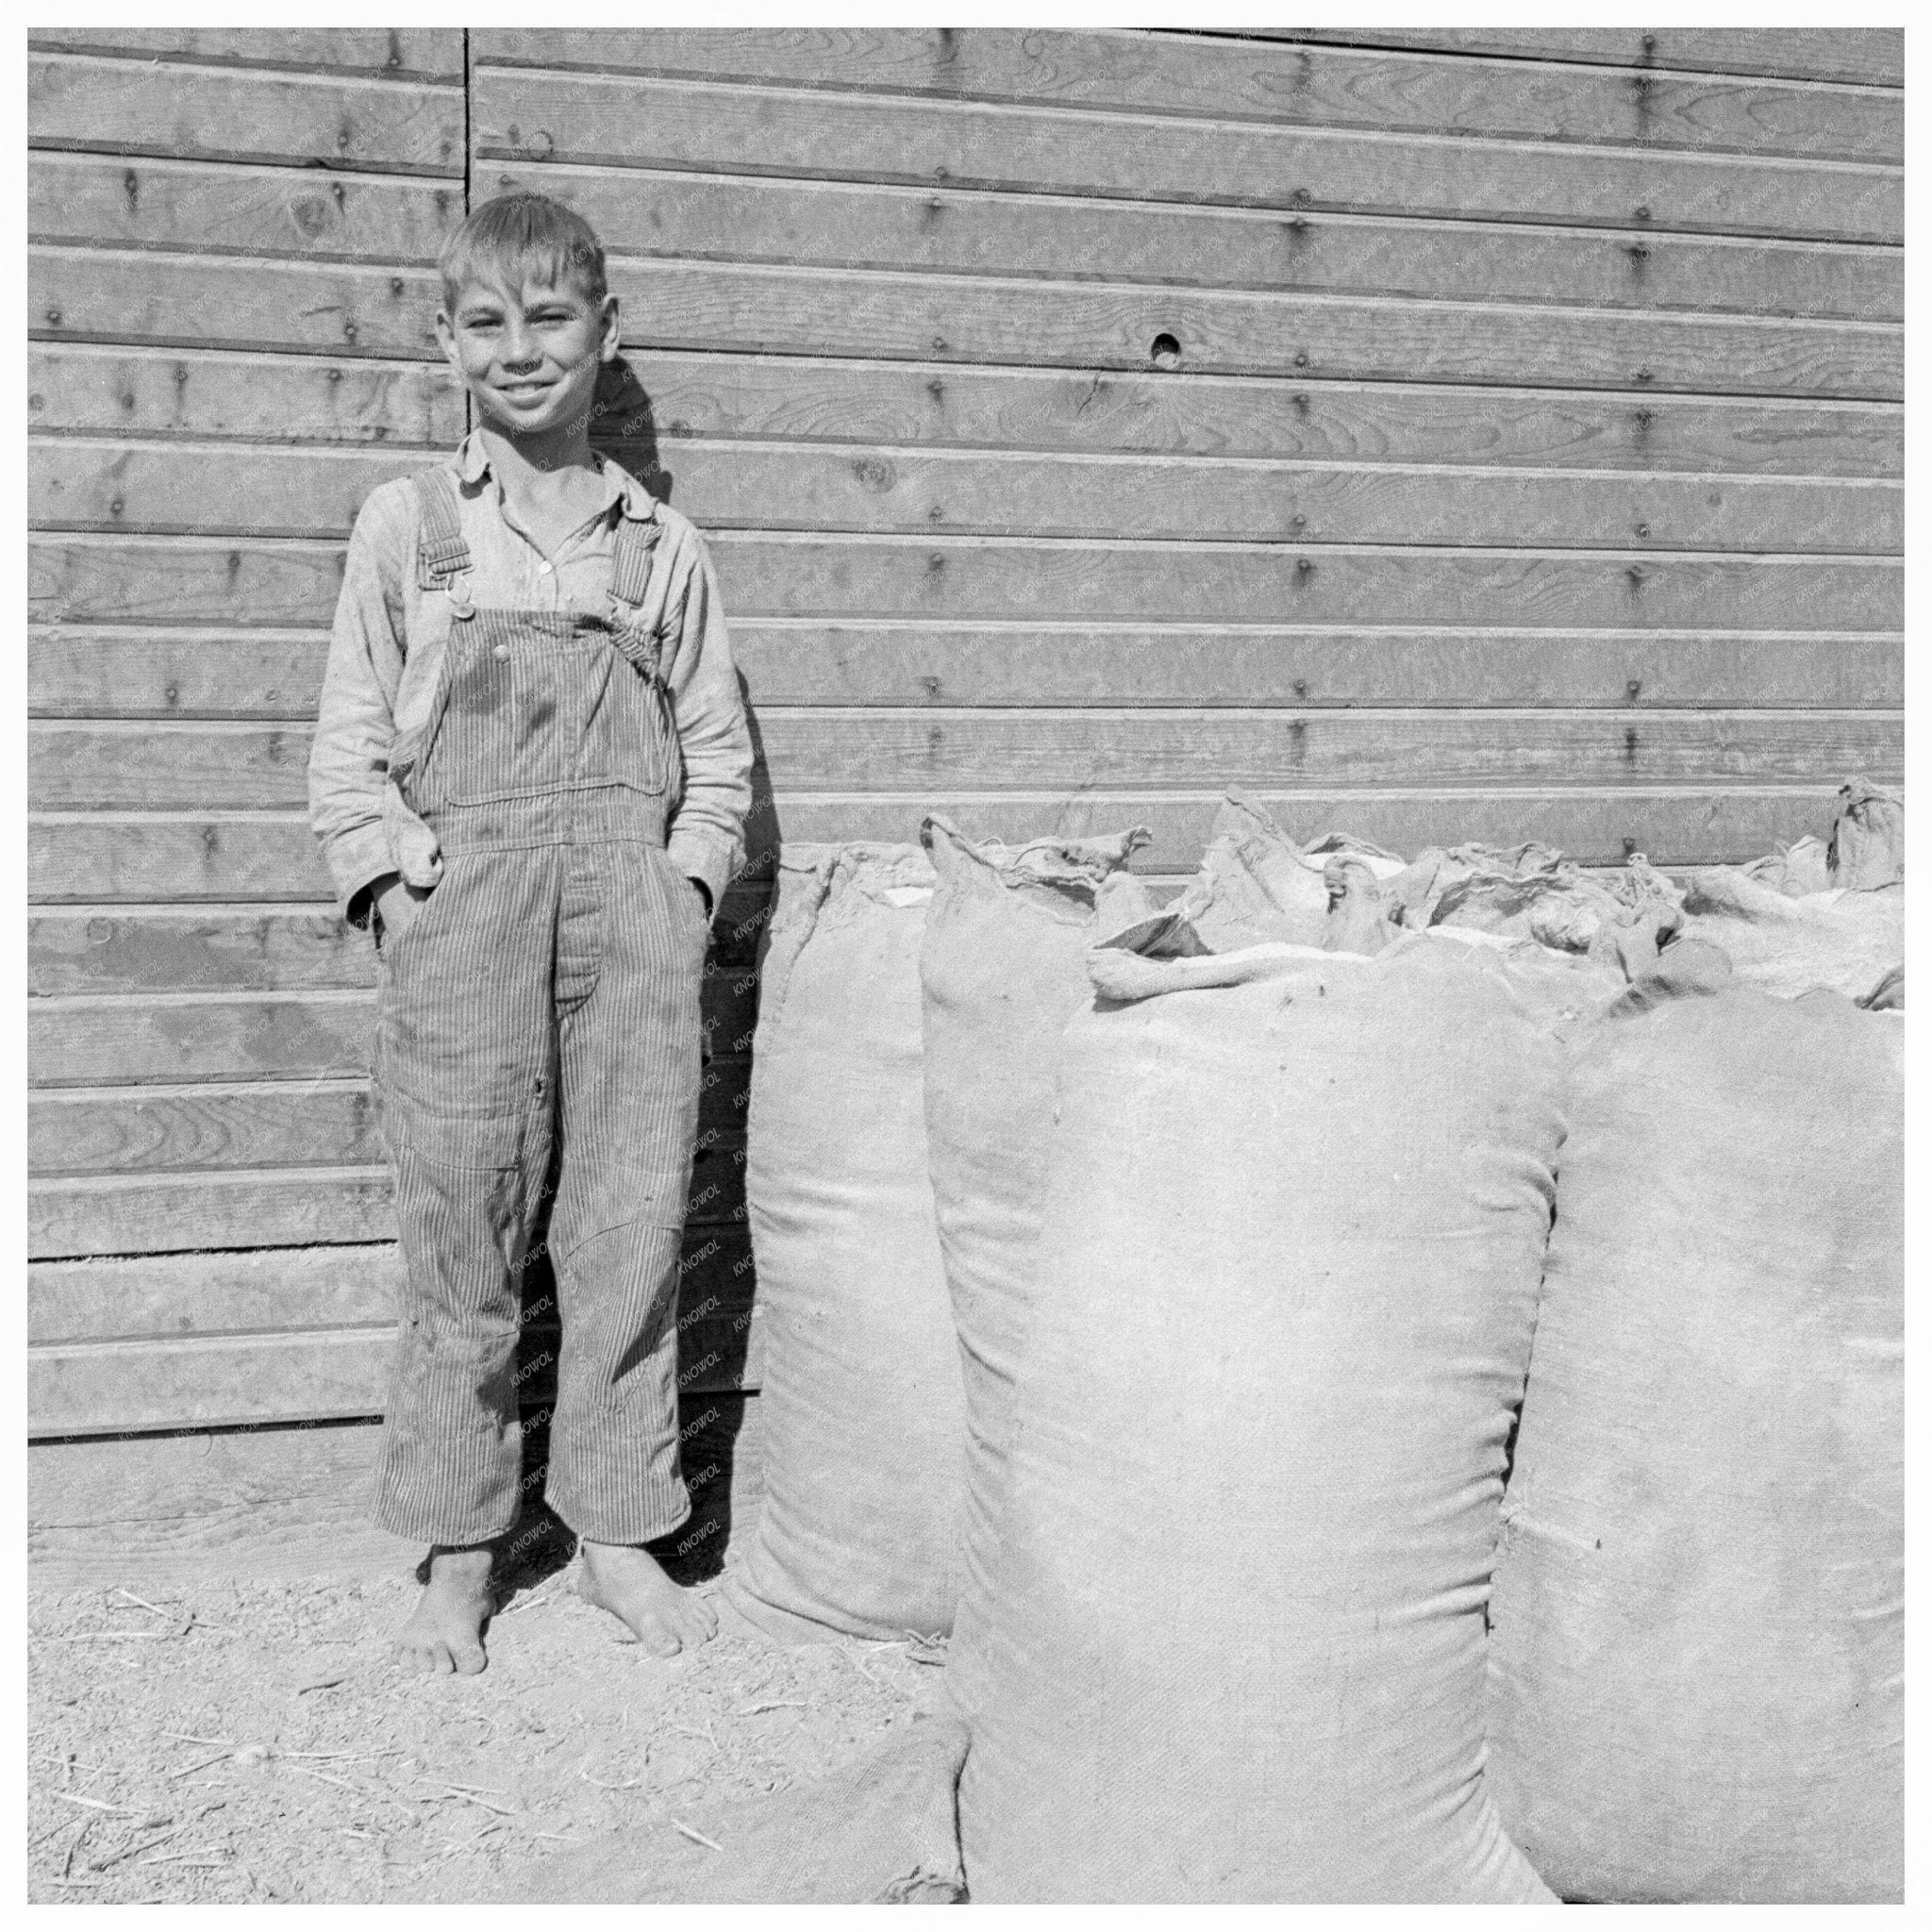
point(356, 861)
point(707, 861)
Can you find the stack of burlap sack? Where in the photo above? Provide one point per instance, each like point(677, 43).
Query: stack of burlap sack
point(1152, 1292)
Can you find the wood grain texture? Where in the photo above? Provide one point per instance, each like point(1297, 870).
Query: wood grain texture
point(224, 114)
point(140, 1213)
point(111, 201)
point(938, 578)
point(183, 672)
point(85, 1039)
point(81, 294)
point(92, 484)
point(161, 1341)
point(250, 1506)
point(210, 1382)
point(166, 581)
point(766, 309)
point(793, 398)
point(524, 117)
point(138, 1298)
point(183, 1509)
point(176, 856)
point(823, 748)
point(1182, 74)
point(119, 949)
point(1868, 55)
point(97, 484)
point(1019, 665)
point(847, 224)
point(104, 949)
point(393, 53)
point(105, 389)
point(861, 487)
point(144, 1131)
point(230, 1143)
point(1287, 171)
point(186, 857)
point(122, 296)
point(98, 580)
point(141, 673)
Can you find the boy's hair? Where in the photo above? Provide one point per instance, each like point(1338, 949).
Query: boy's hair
point(523, 238)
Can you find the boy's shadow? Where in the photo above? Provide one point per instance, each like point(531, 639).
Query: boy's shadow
point(623, 428)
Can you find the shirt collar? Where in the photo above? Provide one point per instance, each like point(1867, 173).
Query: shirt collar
point(621, 489)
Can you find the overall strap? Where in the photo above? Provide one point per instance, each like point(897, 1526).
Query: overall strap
point(633, 561)
point(443, 554)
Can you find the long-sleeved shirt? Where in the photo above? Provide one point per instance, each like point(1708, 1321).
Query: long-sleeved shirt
point(386, 653)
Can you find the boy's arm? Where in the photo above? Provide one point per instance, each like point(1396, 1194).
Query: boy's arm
point(348, 765)
point(707, 832)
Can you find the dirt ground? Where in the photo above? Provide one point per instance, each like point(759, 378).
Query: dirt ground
point(255, 1741)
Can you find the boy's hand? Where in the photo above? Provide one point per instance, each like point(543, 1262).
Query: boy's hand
point(398, 903)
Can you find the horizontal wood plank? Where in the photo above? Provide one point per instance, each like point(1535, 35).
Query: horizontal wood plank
point(595, 118)
point(185, 1509)
point(209, 1382)
point(842, 224)
point(145, 1511)
point(83, 1040)
point(124, 295)
point(176, 856)
point(166, 581)
point(99, 483)
point(117, 949)
point(187, 856)
point(120, 296)
point(1089, 325)
point(265, 1292)
point(247, 581)
point(158, 1341)
point(111, 201)
point(90, 483)
point(668, 399)
point(433, 53)
point(245, 1208)
point(221, 113)
point(190, 673)
point(1165, 412)
point(104, 949)
point(94, 388)
point(867, 749)
point(1868, 55)
point(1173, 73)
point(312, 1124)
point(1032, 579)
point(921, 664)
point(859, 487)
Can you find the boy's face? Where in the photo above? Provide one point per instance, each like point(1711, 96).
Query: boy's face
point(529, 357)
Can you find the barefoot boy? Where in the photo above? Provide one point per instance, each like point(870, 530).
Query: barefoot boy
point(530, 774)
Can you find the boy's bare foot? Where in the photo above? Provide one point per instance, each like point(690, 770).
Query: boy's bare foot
point(445, 1631)
point(627, 1582)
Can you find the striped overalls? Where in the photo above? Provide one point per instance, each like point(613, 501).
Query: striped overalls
point(545, 1000)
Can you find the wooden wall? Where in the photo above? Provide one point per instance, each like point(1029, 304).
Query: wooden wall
point(1481, 435)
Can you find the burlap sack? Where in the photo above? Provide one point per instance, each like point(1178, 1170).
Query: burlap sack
point(1695, 1683)
point(1233, 1647)
point(862, 1396)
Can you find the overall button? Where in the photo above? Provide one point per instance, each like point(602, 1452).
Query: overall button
point(499, 650)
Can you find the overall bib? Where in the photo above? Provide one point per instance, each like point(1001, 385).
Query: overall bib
point(544, 1002)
